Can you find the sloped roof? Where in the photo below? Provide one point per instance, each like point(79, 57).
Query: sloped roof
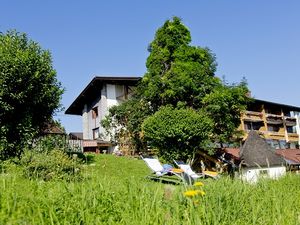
point(256, 152)
point(87, 95)
point(76, 136)
point(292, 156)
point(279, 105)
point(234, 152)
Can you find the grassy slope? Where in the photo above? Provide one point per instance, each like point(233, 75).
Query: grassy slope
point(115, 192)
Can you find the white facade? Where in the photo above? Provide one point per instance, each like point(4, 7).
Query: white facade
point(92, 114)
point(297, 127)
point(252, 175)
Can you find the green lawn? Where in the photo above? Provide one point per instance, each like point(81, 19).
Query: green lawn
point(115, 191)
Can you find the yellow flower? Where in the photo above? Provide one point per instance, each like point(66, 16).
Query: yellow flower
point(198, 184)
point(191, 193)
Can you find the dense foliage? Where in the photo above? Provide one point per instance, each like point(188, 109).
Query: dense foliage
point(178, 133)
point(224, 105)
point(183, 77)
point(124, 122)
point(29, 94)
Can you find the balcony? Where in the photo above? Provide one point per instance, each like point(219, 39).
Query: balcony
point(274, 135)
point(253, 116)
point(274, 119)
point(293, 137)
point(290, 121)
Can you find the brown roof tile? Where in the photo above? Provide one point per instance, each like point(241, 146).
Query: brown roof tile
point(292, 156)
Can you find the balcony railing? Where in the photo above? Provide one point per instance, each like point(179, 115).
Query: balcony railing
point(293, 135)
point(290, 121)
point(253, 113)
point(253, 116)
point(268, 115)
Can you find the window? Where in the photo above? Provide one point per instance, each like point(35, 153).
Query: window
point(252, 125)
point(273, 128)
point(256, 126)
point(96, 133)
point(273, 143)
point(276, 144)
point(270, 142)
point(282, 144)
point(290, 129)
point(95, 112)
point(247, 126)
point(293, 145)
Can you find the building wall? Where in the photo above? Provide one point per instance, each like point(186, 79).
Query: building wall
point(252, 175)
point(90, 117)
point(274, 123)
point(108, 96)
point(85, 122)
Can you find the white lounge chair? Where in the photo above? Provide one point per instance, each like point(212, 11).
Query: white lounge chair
point(193, 175)
point(161, 173)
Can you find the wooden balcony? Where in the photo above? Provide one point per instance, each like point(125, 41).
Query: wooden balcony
point(274, 119)
point(290, 121)
point(273, 115)
point(274, 135)
point(293, 137)
point(253, 116)
point(253, 113)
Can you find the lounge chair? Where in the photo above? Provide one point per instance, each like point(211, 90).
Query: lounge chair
point(194, 176)
point(167, 173)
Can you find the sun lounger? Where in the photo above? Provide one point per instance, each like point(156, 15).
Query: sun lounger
point(168, 173)
point(194, 176)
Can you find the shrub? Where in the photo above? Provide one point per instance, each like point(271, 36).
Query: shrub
point(177, 133)
point(50, 165)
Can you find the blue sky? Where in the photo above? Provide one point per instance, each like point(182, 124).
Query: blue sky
point(256, 39)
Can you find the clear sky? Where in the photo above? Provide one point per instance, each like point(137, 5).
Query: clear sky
point(256, 39)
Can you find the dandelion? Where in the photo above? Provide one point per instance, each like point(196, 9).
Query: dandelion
point(198, 184)
point(191, 193)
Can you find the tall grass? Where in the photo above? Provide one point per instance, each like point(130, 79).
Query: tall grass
point(115, 191)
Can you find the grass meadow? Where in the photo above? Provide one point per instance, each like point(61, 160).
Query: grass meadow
point(114, 191)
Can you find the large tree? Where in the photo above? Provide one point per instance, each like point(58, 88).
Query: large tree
point(176, 71)
point(182, 77)
point(29, 94)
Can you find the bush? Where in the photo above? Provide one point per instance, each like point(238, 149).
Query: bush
point(177, 133)
point(50, 165)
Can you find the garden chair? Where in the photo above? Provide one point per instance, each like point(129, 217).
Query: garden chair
point(193, 175)
point(163, 173)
